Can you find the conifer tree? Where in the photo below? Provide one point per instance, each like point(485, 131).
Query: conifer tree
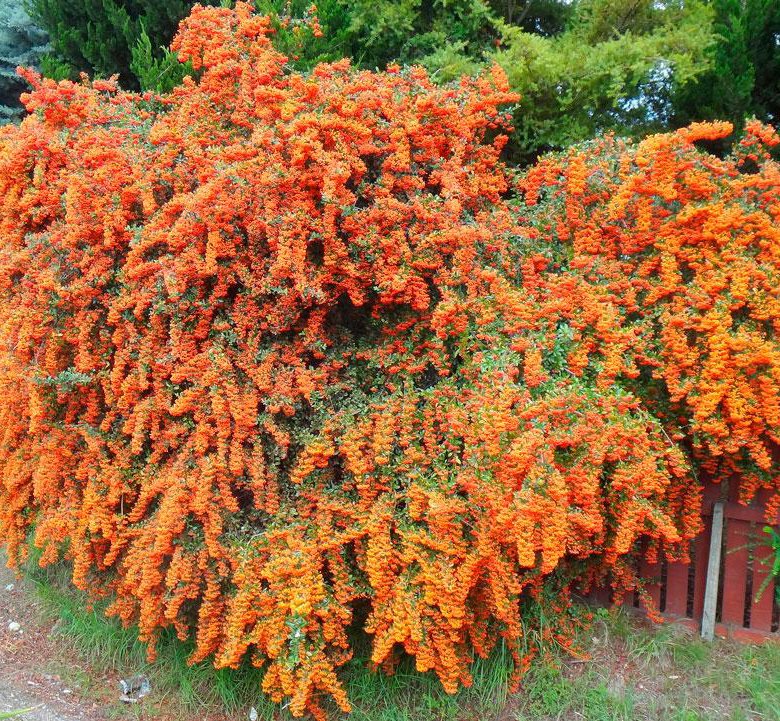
point(744, 79)
point(101, 37)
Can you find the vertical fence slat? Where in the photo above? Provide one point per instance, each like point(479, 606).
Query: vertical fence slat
point(702, 551)
point(708, 617)
point(677, 588)
point(601, 595)
point(652, 573)
point(735, 571)
point(761, 610)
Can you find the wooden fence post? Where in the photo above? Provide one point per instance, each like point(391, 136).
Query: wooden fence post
point(713, 573)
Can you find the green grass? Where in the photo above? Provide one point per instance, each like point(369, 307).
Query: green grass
point(409, 695)
point(636, 672)
point(549, 694)
point(647, 673)
point(103, 642)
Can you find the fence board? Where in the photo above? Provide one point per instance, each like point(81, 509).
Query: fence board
point(702, 546)
point(677, 588)
point(652, 573)
point(735, 565)
point(761, 609)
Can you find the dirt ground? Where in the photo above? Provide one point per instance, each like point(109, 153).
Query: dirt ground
point(30, 658)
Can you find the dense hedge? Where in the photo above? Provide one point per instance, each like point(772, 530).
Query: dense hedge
point(687, 248)
point(286, 358)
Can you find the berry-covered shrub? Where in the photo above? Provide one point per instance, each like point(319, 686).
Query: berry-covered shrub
point(281, 363)
point(686, 247)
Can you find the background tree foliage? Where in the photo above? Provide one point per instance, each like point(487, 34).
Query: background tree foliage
point(744, 77)
point(617, 65)
point(21, 43)
point(105, 37)
point(582, 67)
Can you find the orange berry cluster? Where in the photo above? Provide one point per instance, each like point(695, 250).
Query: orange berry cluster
point(685, 247)
point(280, 358)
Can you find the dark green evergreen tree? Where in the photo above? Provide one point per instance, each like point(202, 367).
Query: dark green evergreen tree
point(543, 17)
point(744, 79)
point(101, 36)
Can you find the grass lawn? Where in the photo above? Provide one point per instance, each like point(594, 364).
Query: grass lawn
point(634, 671)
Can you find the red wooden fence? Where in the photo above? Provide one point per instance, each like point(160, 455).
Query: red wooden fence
point(742, 611)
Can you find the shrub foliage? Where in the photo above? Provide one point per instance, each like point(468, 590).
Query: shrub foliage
point(282, 360)
point(686, 246)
